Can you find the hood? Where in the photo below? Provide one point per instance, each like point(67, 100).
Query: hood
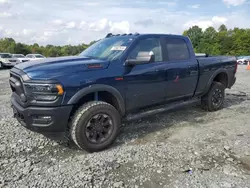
point(49, 68)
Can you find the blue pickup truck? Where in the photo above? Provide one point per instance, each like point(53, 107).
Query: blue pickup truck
point(89, 95)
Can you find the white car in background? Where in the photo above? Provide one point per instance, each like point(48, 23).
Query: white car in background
point(6, 60)
point(20, 57)
point(34, 56)
point(243, 60)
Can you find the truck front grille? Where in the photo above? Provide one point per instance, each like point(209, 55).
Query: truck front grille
point(17, 88)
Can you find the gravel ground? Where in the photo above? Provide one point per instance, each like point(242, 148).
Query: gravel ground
point(184, 148)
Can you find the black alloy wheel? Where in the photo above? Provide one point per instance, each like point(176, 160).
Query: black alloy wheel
point(217, 97)
point(99, 128)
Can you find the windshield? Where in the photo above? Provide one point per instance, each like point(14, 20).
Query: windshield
point(5, 55)
point(39, 56)
point(18, 55)
point(108, 48)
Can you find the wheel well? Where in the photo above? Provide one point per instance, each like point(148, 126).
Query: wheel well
point(101, 96)
point(222, 78)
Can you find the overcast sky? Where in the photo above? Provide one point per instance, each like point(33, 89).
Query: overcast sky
point(62, 22)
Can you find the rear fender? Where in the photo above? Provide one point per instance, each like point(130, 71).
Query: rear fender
point(210, 81)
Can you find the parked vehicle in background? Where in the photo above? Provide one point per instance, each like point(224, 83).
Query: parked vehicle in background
point(20, 57)
point(6, 60)
point(243, 60)
point(35, 56)
point(87, 96)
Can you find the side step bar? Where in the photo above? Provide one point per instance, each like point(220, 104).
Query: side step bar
point(162, 108)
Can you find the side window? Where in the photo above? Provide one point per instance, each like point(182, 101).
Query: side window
point(177, 49)
point(148, 45)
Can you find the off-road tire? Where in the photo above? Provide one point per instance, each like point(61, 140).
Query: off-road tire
point(80, 119)
point(206, 101)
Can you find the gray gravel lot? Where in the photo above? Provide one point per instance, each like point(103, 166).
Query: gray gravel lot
point(184, 148)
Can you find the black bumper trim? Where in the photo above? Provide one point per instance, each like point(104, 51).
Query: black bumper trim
point(59, 117)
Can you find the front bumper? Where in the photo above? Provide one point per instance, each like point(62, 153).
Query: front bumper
point(9, 64)
point(42, 119)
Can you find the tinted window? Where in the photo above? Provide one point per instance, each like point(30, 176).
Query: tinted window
point(177, 49)
point(18, 55)
point(5, 55)
point(38, 56)
point(148, 45)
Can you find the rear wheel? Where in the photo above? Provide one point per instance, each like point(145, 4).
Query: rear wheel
point(95, 125)
point(1, 65)
point(214, 99)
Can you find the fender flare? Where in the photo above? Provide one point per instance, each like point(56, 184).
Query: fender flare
point(99, 87)
point(210, 81)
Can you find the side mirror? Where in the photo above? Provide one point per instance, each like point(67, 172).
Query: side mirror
point(142, 58)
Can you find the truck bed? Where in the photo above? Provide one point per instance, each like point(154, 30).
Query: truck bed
point(210, 65)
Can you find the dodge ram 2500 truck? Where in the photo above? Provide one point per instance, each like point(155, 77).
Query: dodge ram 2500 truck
point(87, 96)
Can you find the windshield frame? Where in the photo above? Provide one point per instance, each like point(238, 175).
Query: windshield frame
point(127, 39)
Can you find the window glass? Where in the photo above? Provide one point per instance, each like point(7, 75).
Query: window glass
point(177, 50)
point(39, 56)
point(18, 55)
point(109, 48)
point(5, 55)
point(148, 45)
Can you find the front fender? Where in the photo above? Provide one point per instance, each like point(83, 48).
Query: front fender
point(99, 87)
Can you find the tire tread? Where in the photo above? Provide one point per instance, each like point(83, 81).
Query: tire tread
point(205, 100)
point(80, 113)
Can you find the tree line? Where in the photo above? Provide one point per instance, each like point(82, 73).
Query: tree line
point(9, 45)
point(211, 41)
point(225, 41)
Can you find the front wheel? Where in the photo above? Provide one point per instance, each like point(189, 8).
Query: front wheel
point(1, 65)
point(214, 99)
point(95, 125)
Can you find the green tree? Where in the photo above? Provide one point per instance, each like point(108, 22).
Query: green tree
point(195, 34)
point(208, 42)
point(222, 28)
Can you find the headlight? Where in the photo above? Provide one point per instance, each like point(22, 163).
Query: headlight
point(44, 92)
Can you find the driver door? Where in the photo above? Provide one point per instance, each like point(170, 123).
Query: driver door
point(145, 82)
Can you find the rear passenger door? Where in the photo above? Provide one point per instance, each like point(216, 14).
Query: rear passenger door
point(181, 69)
